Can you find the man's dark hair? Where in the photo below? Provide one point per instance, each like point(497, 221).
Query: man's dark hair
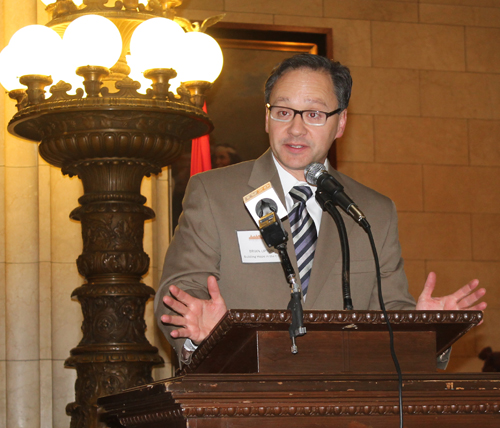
point(341, 76)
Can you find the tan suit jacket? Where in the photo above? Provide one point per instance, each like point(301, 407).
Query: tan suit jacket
point(205, 243)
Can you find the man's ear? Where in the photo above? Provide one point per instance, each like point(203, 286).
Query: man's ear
point(342, 124)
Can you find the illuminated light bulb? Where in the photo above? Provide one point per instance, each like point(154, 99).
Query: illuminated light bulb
point(155, 43)
point(37, 50)
point(136, 74)
point(202, 59)
point(66, 73)
point(8, 71)
point(92, 40)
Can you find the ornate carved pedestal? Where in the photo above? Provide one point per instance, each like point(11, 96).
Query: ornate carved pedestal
point(111, 144)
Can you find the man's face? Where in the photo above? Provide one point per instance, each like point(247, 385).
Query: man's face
point(295, 144)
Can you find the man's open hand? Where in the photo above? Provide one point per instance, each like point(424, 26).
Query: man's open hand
point(196, 317)
point(465, 298)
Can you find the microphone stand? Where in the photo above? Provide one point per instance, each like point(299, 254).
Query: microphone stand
point(327, 204)
point(313, 172)
point(296, 328)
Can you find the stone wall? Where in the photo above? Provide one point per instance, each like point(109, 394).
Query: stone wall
point(422, 128)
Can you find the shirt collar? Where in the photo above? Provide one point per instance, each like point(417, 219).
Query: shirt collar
point(288, 181)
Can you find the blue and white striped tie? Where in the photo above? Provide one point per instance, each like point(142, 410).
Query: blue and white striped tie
point(304, 234)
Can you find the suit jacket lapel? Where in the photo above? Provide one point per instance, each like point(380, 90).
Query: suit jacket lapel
point(264, 170)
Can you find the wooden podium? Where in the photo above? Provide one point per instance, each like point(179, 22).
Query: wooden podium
point(244, 375)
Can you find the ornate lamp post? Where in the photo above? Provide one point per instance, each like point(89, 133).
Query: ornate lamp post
point(110, 137)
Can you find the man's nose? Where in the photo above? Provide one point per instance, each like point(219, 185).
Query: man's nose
point(297, 125)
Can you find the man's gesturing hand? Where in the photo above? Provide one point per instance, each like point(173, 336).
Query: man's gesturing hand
point(464, 298)
point(196, 317)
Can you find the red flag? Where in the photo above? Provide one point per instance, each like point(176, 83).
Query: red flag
point(200, 152)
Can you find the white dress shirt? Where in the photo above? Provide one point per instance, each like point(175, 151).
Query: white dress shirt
point(288, 181)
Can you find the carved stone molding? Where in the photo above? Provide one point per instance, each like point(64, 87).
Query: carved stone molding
point(95, 263)
point(113, 320)
point(264, 410)
point(96, 379)
point(352, 317)
point(116, 176)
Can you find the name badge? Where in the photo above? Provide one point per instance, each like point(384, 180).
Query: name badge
point(253, 249)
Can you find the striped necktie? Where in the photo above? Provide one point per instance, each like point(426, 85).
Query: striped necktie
point(304, 233)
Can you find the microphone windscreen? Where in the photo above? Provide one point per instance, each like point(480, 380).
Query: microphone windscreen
point(265, 206)
point(313, 171)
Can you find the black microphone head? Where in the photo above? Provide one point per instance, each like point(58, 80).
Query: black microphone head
point(313, 171)
point(265, 206)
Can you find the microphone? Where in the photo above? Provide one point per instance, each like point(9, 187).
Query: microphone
point(275, 235)
point(270, 226)
point(317, 175)
point(265, 206)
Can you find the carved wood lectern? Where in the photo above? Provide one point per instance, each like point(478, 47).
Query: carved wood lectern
point(244, 375)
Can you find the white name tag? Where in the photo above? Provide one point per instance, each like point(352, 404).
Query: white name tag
point(253, 249)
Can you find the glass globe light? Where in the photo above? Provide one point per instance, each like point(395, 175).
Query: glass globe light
point(66, 73)
point(136, 74)
point(202, 59)
point(37, 50)
point(155, 44)
point(92, 40)
point(8, 70)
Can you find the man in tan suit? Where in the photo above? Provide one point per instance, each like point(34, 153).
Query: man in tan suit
point(204, 274)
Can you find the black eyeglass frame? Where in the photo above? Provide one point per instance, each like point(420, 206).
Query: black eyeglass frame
point(300, 112)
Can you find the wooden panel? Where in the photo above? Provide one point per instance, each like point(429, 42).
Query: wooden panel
point(370, 352)
point(238, 356)
point(319, 352)
point(466, 421)
point(346, 352)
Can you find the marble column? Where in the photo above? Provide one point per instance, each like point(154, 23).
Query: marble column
point(22, 344)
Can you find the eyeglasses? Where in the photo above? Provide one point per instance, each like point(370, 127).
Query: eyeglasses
point(311, 117)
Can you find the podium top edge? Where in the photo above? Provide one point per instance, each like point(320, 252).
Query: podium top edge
point(262, 316)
